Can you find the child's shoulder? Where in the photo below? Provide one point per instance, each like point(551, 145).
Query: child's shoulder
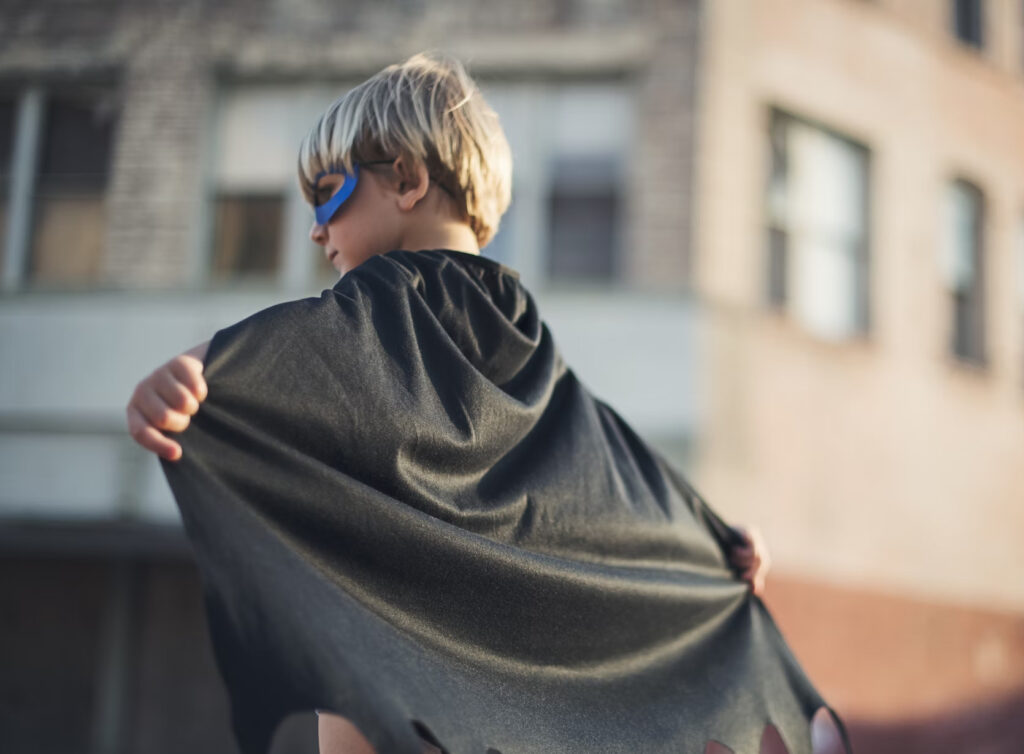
point(429, 261)
point(444, 278)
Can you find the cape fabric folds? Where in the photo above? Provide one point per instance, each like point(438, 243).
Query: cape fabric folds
point(407, 509)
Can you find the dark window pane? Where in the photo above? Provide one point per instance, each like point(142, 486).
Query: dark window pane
point(7, 111)
point(69, 219)
point(776, 267)
point(862, 282)
point(968, 297)
point(247, 236)
point(584, 219)
point(961, 325)
point(583, 229)
point(75, 152)
point(967, 21)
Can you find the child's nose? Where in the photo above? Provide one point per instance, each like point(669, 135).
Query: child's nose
point(318, 233)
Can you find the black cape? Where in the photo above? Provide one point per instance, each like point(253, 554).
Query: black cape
point(407, 509)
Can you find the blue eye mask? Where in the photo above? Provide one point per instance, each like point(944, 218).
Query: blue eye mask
point(324, 212)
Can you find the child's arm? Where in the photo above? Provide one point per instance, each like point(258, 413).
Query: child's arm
point(165, 400)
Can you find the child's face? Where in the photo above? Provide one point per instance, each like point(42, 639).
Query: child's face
point(363, 226)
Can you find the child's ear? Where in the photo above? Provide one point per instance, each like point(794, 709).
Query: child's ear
point(413, 182)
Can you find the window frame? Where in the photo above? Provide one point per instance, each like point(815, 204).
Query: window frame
point(527, 245)
point(31, 101)
point(775, 293)
point(298, 269)
point(967, 343)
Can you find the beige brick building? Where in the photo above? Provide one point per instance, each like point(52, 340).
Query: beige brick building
point(859, 254)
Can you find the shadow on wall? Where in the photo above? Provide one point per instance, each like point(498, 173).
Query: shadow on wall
point(991, 727)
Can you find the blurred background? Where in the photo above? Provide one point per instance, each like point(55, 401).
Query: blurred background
point(784, 238)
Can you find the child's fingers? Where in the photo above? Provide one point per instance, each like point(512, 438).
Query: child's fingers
point(741, 563)
point(759, 586)
point(177, 396)
point(751, 568)
point(755, 576)
point(743, 556)
point(158, 413)
point(754, 550)
point(755, 581)
point(149, 437)
point(189, 371)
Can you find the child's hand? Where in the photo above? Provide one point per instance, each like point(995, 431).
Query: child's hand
point(752, 558)
point(165, 400)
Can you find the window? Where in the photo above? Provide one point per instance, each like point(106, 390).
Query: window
point(253, 166)
point(585, 218)
point(247, 234)
point(590, 135)
point(259, 222)
point(570, 143)
point(817, 228)
point(56, 145)
point(69, 219)
point(968, 22)
point(963, 270)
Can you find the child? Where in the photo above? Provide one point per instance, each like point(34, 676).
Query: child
point(411, 167)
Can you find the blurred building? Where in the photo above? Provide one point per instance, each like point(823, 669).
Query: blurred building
point(791, 230)
point(859, 258)
point(147, 156)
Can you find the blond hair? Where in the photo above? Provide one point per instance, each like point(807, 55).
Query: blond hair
point(428, 110)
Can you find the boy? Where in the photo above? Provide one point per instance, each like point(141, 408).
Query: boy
point(413, 159)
